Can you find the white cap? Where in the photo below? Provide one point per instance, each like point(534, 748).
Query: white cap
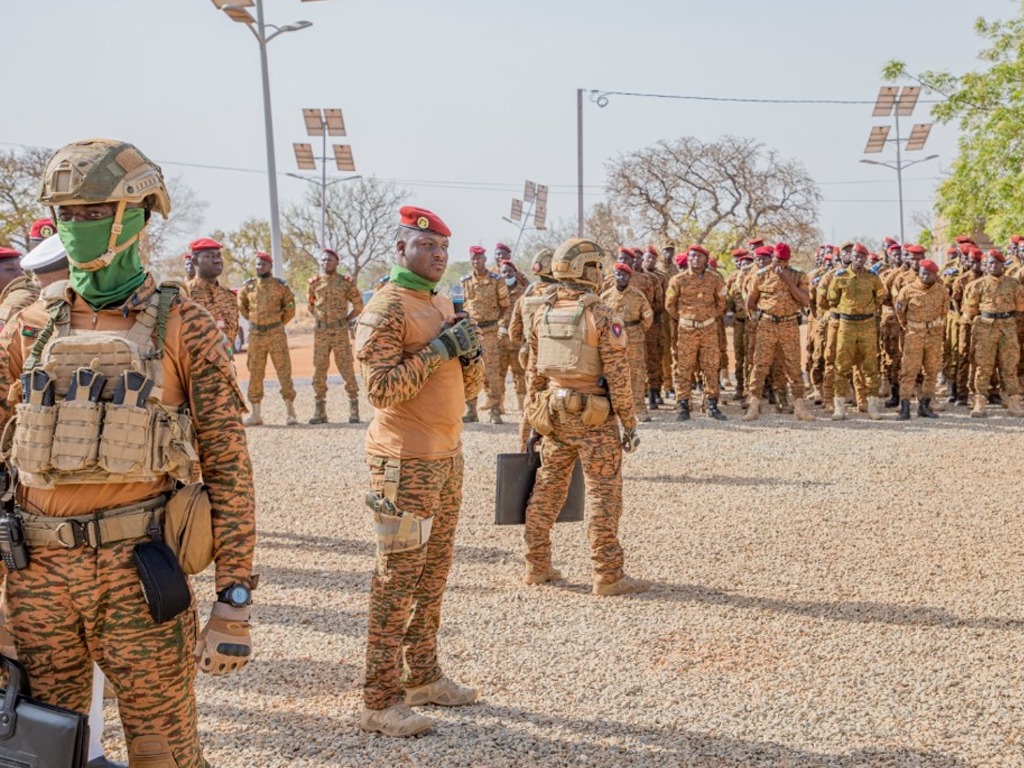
point(49, 253)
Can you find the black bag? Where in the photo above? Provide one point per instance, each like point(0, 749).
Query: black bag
point(163, 582)
point(38, 735)
point(516, 475)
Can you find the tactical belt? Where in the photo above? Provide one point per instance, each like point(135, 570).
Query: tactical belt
point(327, 325)
point(689, 322)
point(777, 318)
point(739, 319)
point(833, 316)
point(570, 400)
point(855, 318)
point(486, 323)
point(998, 315)
point(104, 527)
point(920, 325)
point(631, 323)
point(265, 328)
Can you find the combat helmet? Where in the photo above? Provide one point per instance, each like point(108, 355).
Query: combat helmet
point(578, 261)
point(540, 265)
point(103, 171)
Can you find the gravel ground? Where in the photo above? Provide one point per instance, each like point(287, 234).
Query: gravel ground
point(825, 595)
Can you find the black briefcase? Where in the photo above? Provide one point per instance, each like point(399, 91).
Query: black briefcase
point(516, 474)
point(38, 735)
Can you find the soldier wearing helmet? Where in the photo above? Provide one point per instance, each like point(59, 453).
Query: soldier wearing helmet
point(579, 391)
point(522, 317)
point(123, 387)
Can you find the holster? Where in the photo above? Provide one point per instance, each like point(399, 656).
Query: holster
point(164, 585)
point(396, 531)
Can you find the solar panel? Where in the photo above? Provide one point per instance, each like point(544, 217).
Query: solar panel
point(886, 100)
point(876, 139)
point(335, 122)
point(343, 157)
point(908, 100)
point(304, 157)
point(918, 136)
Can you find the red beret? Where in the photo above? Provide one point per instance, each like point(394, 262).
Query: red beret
point(739, 253)
point(914, 249)
point(204, 244)
point(638, 252)
point(187, 256)
point(782, 252)
point(976, 254)
point(861, 249)
point(620, 267)
point(893, 246)
point(9, 253)
point(652, 250)
point(477, 250)
point(331, 252)
point(828, 257)
point(423, 220)
point(764, 250)
point(681, 260)
point(998, 255)
point(502, 247)
point(265, 257)
point(930, 265)
point(874, 257)
point(1016, 239)
point(889, 240)
point(757, 242)
point(713, 263)
point(951, 251)
point(42, 229)
point(627, 251)
point(964, 239)
point(698, 249)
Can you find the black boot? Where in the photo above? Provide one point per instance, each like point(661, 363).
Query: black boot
point(924, 408)
point(684, 411)
point(658, 398)
point(894, 398)
point(713, 411)
point(652, 400)
point(905, 411)
point(995, 399)
point(952, 393)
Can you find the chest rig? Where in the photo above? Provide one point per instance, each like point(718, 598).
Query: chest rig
point(562, 339)
point(92, 409)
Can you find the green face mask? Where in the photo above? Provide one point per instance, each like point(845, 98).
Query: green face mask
point(85, 241)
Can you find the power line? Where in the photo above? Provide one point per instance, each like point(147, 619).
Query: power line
point(601, 99)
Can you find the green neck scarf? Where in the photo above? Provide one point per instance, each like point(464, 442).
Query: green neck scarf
point(407, 279)
point(87, 240)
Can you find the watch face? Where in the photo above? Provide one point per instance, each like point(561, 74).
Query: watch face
point(238, 595)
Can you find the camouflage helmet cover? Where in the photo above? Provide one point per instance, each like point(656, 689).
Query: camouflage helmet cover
point(540, 265)
point(572, 257)
point(101, 171)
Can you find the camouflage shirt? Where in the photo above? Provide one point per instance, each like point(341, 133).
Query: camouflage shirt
point(219, 301)
point(523, 309)
point(19, 293)
point(851, 293)
point(993, 294)
point(960, 286)
point(198, 372)
point(266, 301)
point(630, 305)
point(514, 294)
point(695, 297)
point(917, 303)
point(774, 296)
point(486, 297)
point(333, 299)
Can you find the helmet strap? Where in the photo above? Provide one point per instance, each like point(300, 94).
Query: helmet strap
point(112, 247)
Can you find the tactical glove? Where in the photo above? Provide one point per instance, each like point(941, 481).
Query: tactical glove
point(225, 645)
point(630, 440)
point(460, 340)
point(6, 641)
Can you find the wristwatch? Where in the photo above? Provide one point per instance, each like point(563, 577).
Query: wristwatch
point(237, 595)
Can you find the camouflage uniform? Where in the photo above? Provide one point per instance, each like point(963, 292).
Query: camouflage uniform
point(633, 309)
point(889, 332)
point(655, 335)
point(991, 304)
point(486, 302)
point(598, 448)
point(334, 300)
point(419, 399)
point(696, 302)
point(856, 298)
point(73, 605)
point(819, 334)
point(964, 351)
point(522, 317)
point(921, 311)
point(778, 329)
point(509, 357)
point(948, 276)
point(19, 293)
point(220, 302)
point(777, 376)
point(269, 305)
point(669, 330)
point(736, 303)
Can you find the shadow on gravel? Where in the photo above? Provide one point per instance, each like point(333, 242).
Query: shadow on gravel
point(365, 548)
point(502, 737)
point(855, 612)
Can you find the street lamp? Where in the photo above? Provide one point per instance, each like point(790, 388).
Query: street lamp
point(324, 123)
point(323, 184)
point(236, 11)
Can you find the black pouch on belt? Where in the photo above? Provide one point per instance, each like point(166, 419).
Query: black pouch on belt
point(164, 585)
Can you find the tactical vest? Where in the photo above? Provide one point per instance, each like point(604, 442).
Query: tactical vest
point(562, 337)
point(91, 409)
point(531, 303)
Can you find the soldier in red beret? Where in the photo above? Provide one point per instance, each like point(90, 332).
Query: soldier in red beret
point(964, 379)
point(206, 289)
point(40, 230)
point(921, 308)
point(420, 364)
point(655, 336)
point(486, 302)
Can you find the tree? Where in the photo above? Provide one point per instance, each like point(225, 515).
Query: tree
point(985, 189)
point(360, 226)
point(20, 174)
point(164, 241)
point(717, 193)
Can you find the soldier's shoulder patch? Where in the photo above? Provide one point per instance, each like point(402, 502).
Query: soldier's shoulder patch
point(30, 331)
point(841, 272)
point(372, 319)
point(281, 281)
point(465, 278)
point(616, 328)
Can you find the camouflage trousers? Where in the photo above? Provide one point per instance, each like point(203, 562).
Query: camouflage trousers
point(922, 353)
point(494, 382)
point(777, 379)
point(636, 349)
point(73, 606)
point(407, 587)
point(670, 339)
point(777, 344)
point(508, 360)
point(1020, 344)
point(275, 345)
point(857, 345)
point(600, 452)
point(950, 346)
point(812, 329)
point(890, 338)
point(964, 360)
point(739, 351)
point(723, 345)
point(819, 340)
point(327, 341)
point(995, 349)
point(697, 352)
point(655, 343)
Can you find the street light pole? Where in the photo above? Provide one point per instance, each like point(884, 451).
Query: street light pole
point(899, 166)
point(268, 124)
point(324, 184)
point(579, 162)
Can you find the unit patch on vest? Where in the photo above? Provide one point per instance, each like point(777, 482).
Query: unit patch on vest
point(617, 329)
point(28, 330)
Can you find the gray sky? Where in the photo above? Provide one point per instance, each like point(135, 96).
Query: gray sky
point(461, 100)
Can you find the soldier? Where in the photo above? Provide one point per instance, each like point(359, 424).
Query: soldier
point(522, 317)
point(206, 290)
point(856, 295)
point(695, 299)
point(334, 301)
point(668, 269)
point(964, 358)
point(736, 303)
point(950, 272)
point(777, 295)
point(89, 505)
point(40, 230)
point(420, 365)
point(633, 309)
point(269, 305)
point(509, 360)
point(189, 267)
point(655, 336)
point(820, 311)
point(17, 290)
point(889, 330)
point(921, 308)
point(486, 302)
point(845, 255)
point(992, 304)
point(578, 378)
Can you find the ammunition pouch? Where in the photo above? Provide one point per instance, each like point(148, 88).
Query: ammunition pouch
point(188, 527)
point(592, 409)
point(595, 412)
point(396, 531)
point(538, 413)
